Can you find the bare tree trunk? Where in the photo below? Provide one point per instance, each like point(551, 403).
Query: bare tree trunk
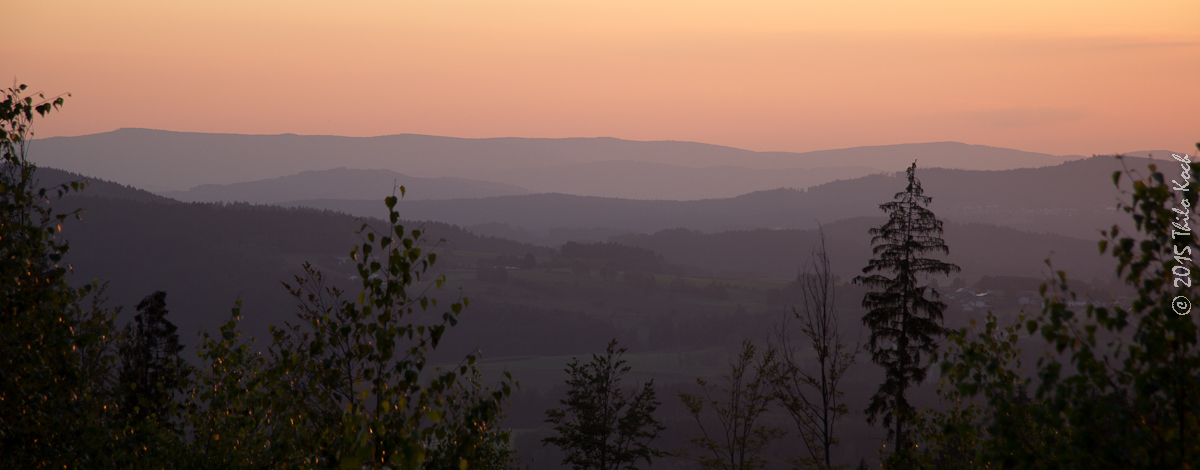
point(813, 397)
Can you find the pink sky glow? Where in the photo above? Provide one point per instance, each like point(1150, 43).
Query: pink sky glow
point(1061, 77)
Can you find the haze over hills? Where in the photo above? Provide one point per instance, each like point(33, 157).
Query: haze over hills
point(979, 249)
point(1075, 198)
point(344, 183)
point(131, 236)
point(52, 179)
point(645, 180)
point(630, 180)
point(681, 302)
point(178, 161)
point(208, 255)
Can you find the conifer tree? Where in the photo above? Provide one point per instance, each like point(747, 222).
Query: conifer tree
point(904, 314)
point(151, 369)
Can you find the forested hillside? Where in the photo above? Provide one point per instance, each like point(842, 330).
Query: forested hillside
point(1074, 198)
point(177, 161)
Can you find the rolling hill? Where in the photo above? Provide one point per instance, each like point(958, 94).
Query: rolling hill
point(344, 183)
point(1074, 198)
point(208, 255)
point(178, 161)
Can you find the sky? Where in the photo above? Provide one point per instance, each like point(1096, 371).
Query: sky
point(1060, 77)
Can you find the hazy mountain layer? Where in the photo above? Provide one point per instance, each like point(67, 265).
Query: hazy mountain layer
point(644, 180)
point(53, 179)
point(177, 161)
point(208, 255)
point(343, 183)
point(629, 180)
point(1075, 198)
point(980, 249)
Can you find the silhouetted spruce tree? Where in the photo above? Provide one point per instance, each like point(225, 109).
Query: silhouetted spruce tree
point(903, 314)
point(151, 369)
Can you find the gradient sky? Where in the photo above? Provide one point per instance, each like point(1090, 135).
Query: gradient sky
point(1061, 77)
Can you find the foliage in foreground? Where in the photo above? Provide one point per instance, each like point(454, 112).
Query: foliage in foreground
point(738, 438)
point(602, 426)
point(1118, 387)
point(53, 412)
point(347, 387)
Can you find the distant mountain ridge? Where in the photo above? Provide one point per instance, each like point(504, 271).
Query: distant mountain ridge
point(208, 255)
point(52, 178)
point(659, 181)
point(1075, 198)
point(178, 161)
point(630, 180)
point(344, 183)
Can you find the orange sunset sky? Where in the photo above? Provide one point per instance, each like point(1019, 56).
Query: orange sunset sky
point(1061, 77)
